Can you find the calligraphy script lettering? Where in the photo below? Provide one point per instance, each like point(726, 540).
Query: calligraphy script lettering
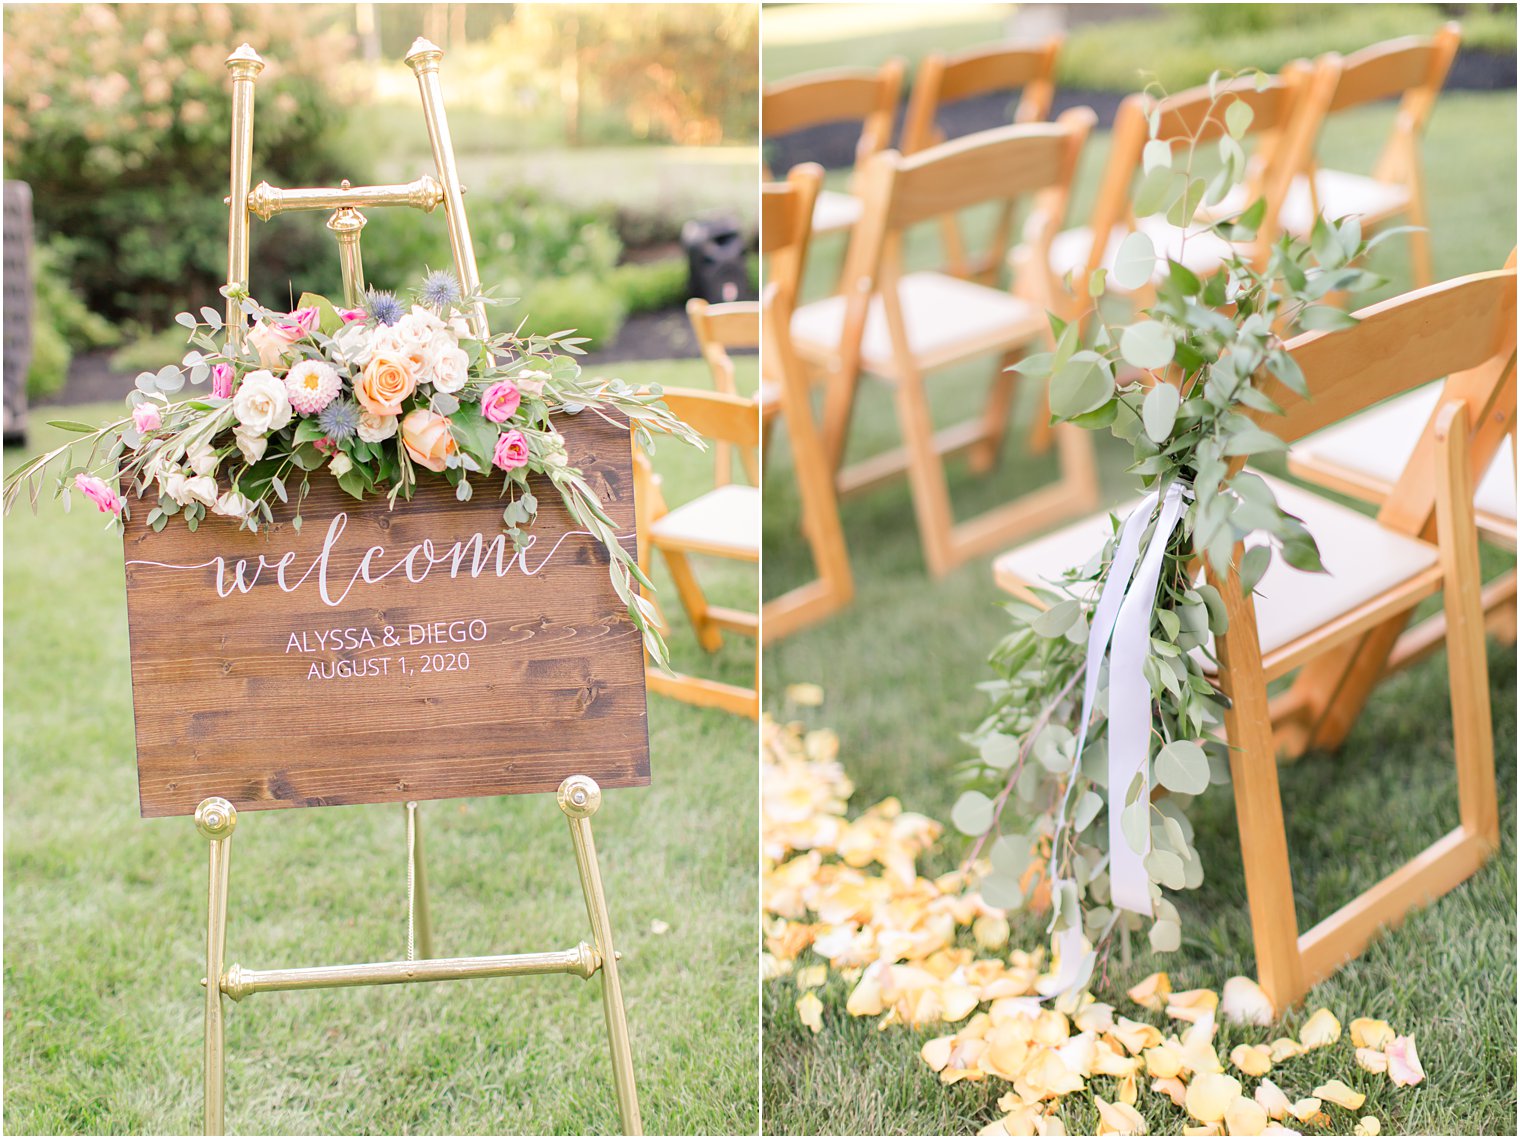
point(473, 556)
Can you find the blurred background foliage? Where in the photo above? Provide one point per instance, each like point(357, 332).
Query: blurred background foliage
point(586, 135)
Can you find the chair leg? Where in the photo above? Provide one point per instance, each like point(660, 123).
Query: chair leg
point(1259, 816)
point(693, 600)
point(984, 454)
point(1421, 264)
point(926, 475)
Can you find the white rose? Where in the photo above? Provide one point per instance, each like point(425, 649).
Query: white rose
point(159, 467)
point(174, 486)
point(252, 444)
point(554, 451)
point(203, 459)
point(376, 428)
point(233, 505)
point(261, 404)
point(354, 343)
point(450, 364)
point(460, 327)
point(200, 489)
point(341, 464)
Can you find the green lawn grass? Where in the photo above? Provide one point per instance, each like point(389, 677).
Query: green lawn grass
point(104, 912)
point(900, 667)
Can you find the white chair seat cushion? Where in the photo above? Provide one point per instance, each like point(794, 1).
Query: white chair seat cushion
point(725, 520)
point(1202, 251)
point(1341, 194)
point(941, 312)
point(834, 211)
point(1362, 558)
point(1377, 443)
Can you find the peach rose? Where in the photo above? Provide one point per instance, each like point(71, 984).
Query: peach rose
point(427, 439)
point(386, 380)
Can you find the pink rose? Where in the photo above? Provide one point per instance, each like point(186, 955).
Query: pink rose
point(349, 315)
point(221, 381)
point(297, 324)
point(500, 401)
point(273, 337)
point(99, 492)
point(146, 418)
point(511, 450)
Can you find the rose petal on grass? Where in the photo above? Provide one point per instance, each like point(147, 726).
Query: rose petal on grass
point(1204, 1129)
point(1171, 1087)
point(1307, 1110)
point(1118, 1118)
point(1367, 1033)
point(1198, 1053)
point(1245, 1117)
point(812, 976)
point(658, 927)
point(936, 1052)
point(1244, 1002)
point(1273, 1101)
point(1095, 1016)
point(1368, 1125)
point(806, 695)
point(1152, 992)
point(1285, 1048)
point(1165, 1060)
point(1370, 1060)
point(810, 1009)
point(1404, 1062)
point(1135, 1036)
point(1320, 1030)
point(1210, 1095)
point(1252, 1059)
point(1192, 1005)
point(990, 931)
point(1340, 1095)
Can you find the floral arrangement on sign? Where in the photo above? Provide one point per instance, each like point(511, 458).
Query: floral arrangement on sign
point(1172, 384)
point(369, 396)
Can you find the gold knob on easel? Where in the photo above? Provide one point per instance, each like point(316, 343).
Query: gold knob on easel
point(579, 796)
point(215, 818)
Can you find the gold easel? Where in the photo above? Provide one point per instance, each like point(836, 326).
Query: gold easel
point(579, 796)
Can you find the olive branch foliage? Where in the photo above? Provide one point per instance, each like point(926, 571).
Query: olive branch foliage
point(1174, 383)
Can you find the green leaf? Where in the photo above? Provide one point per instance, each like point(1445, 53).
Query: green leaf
point(1087, 810)
point(1166, 937)
point(1253, 441)
point(1000, 751)
point(1135, 261)
point(328, 320)
point(1157, 155)
point(1301, 552)
point(1084, 383)
point(1182, 768)
point(1056, 620)
point(1166, 869)
point(1156, 190)
point(1159, 411)
point(1135, 822)
point(972, 813)
point(1147, 345)
point(71, 425)
point(1326, 317)
point(475, 434)
point(1253, 565)
point(1237, 118)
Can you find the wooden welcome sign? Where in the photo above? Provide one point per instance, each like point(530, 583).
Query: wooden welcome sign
point(381, 655)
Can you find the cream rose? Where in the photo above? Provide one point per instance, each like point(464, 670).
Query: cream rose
point(340, 464)
point(233, 505)
point(385, 381)
point(426, 437)
point(203, 459)
point(251, 444)
point(376, 428)
point(449, 364)
point(261, 404)
point(185, 490)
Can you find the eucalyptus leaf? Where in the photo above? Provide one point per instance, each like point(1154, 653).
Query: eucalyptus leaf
point(1182, 768)
point(1084, 383)
point(1159, 412)
point(1147, 345)
point(972, 813)
point(1135, 261)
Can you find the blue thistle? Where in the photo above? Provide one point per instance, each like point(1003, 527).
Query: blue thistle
point(384, 306)
point(439, 291)
point(339, 420)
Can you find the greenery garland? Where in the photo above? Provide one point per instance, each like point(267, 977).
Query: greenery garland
point(1172, 384)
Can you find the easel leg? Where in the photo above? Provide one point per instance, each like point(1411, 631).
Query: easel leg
point(419, 922)
point(215, 819)
point(579, 797)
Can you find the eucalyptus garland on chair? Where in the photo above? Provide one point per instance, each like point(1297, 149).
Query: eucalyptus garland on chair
point(1173, 384)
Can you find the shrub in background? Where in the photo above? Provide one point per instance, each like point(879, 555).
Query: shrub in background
point(61, 324)
point(119, 117)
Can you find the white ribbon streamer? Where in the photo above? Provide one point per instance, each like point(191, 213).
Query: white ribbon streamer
point(1121, 619)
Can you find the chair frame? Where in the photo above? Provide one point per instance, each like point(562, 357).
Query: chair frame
point(944, 79)
point(786, 213)
point(730, 418)
point(901, 192)
point(869, 95)
point(718, 328)
point(1415, 68)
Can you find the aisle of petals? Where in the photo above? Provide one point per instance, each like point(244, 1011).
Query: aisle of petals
point(845, 896)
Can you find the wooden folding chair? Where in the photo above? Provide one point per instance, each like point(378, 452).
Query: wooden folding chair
point(902, 326)
point(723, 522)
point(1423, 541)
point(845, 94)
point(1028, 69)
point(1285, 120)
point(719, 328)
point(1413, 69)
point(786, 212)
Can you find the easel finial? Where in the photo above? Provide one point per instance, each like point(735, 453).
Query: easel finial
point(424, 53)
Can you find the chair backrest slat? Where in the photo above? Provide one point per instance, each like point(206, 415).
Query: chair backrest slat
point(842, 95)
point(1026, 68)
point(1396, 68)
point(717, 415)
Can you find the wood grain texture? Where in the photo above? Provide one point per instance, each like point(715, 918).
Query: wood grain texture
point(223, 687)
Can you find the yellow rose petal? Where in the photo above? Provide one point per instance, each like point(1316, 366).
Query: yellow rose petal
point(1192, 1005)
point(1284, 1048)
point(1304, 1110)
point(936, 1052)
point(990, 931)
point(1245, 1117)
point(810, 1009)
point(1171, 1087)
point(1205, 1129)
point(1404, 1062)
point(1340, 1095)
point(1164, 1060)
point(1129, 1090)
point(1244, 1002)
point(1273, 1101)
point(866, 1000)
point(1136, 1037)
point(1118, 1119)
point(1372, 1061)
point(1252, 1059)
point(1210, 1095)
point(1320, 1030)
point(807, 695)
point(1368, 1125)
point(812, 976)
point(1152, 992)
point(1366, 1033)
